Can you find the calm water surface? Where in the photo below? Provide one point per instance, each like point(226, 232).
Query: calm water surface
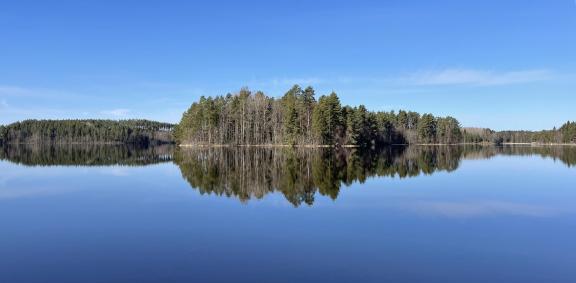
point(401, 214)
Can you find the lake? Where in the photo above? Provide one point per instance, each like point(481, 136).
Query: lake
point(398, 214)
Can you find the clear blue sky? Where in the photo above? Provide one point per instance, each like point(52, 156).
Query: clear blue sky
point(499, 64)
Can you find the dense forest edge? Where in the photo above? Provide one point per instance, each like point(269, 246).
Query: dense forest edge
point(297, 118)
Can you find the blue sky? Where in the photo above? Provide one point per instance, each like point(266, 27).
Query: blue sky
point(498, 64)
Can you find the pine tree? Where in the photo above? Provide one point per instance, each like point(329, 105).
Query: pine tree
point(427, 129)
point(292, 125)
point(308, 102)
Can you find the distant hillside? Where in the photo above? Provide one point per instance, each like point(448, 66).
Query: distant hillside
point(141, 132)
point(565, 134)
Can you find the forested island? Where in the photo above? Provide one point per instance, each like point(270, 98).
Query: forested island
point(297, 118)
point(141, 132)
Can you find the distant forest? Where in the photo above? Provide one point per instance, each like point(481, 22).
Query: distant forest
point(142, 132)
point(297, 118)
point(565, 134)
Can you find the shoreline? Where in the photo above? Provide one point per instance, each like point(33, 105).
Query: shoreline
point(284, 145)
point(355, 146)
point(81, 143)
point(262, 145)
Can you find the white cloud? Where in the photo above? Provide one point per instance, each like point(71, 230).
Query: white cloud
point(476, 77)
point(120, 112)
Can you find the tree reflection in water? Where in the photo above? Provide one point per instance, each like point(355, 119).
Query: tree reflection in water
point(85, 155)
point(299, 174)
point(253, 172)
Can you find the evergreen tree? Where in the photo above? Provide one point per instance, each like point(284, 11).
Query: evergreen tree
point(427, 129)
point(568, 131)
point(292, 125)
point(307, 107)
point(402, 120)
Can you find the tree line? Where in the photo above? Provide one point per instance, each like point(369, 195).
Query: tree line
point(565, 134)
point(142, 132)
point(297, 118)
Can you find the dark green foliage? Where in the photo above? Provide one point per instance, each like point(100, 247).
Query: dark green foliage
point(448, 130)
point(141, 132)
point(427, 129)
point(298, 119)
point(291, 114)
point(568, 132)
point(361, 126)
point(2, 134)
point(306, 106)
point(327, 120)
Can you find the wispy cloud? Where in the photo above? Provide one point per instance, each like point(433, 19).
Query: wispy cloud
point(476, 77)
point(286, 82)
point(120, 112)
point(293, 81)
point(421, 78)
point(116, 171)
point(485, 208)
point(19, 91)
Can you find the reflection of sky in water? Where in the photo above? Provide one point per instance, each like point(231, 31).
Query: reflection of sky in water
point(505, 219)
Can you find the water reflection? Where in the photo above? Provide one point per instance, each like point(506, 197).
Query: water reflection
point(565, 154)
point(299, 174)
point(85, 155)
